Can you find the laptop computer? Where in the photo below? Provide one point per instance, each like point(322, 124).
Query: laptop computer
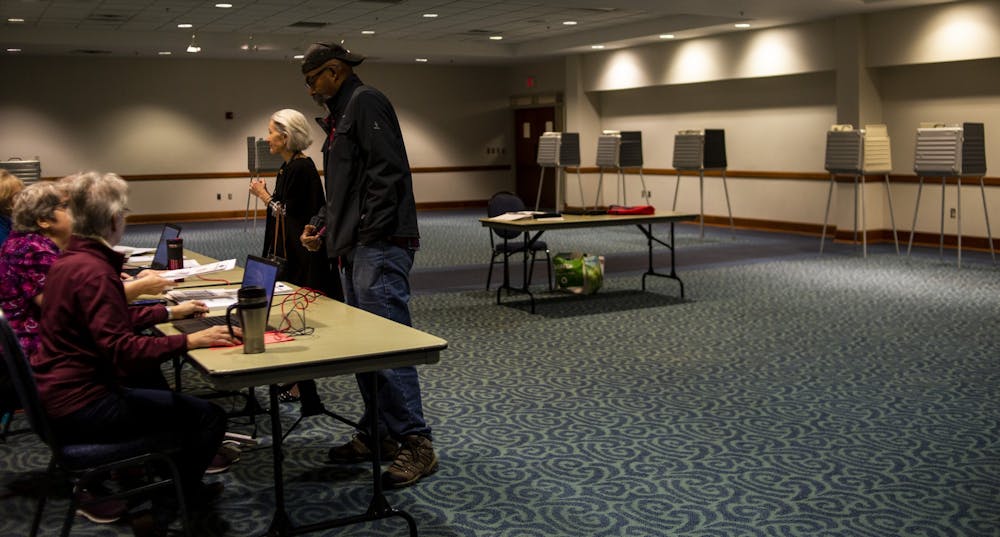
point(170, 231)
point(258, 271)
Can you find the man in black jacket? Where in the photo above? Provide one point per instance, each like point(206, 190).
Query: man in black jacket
point(369, 223)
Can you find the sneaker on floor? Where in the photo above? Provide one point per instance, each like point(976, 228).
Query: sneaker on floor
point(228, 454)
point(356, 450)
point(416, 459)
point(100, 511)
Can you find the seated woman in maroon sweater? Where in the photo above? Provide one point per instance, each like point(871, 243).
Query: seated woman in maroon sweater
point(88, 343)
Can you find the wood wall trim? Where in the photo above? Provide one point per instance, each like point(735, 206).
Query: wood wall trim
point(793, 176)
point(730, 174)
point(242, 175)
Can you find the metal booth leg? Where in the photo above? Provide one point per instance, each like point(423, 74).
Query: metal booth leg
point(826, 217)
point(916, 208)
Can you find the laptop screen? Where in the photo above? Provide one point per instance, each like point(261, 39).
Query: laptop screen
point(263, 273)
point(170, 231)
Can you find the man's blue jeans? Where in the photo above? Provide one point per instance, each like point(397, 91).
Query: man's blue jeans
point(376, 278)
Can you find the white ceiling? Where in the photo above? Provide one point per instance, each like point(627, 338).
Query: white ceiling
point(279, 29)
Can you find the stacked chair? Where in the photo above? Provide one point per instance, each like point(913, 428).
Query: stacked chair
point(618, 150)
point(951, 151)
point(558, 150)
point(858, 153)
point(28, 171)
point(700, 150)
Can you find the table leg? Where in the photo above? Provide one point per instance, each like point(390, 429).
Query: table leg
point(378, 508)
point(650, 239)
point(280, 524)
point(524, 271)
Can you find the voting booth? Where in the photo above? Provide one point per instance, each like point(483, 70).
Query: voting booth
point(618, 151)
point(700, 150)
point(557, 151)
point(259, 159)
point(858, 153)
point(951, 150)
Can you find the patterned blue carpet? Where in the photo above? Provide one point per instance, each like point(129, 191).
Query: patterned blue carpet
point(794, 395)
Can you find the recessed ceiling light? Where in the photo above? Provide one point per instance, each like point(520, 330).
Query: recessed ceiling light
point(666, 36)
point(430, 15)
point(597, 46)
point(496, 37)
point(569, 23)
point(367, 32)
point(298, 56)
point(421, 60)
point(14, 50)
point(223, 6)
point(742, 25)
point(184, 25)
point(164, 53)
point(15, 20)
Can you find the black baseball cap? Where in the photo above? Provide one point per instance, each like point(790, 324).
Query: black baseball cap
point(320, 53)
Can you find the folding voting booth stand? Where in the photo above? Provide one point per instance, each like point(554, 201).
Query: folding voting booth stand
point(558, 150)
point(259, 159)
point(700, 150)
point(951, 151)
point(608, 144)
point(857, 153)
point(619, 150)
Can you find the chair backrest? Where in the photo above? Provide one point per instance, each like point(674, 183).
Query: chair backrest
point(24, 381)
point(504, 202)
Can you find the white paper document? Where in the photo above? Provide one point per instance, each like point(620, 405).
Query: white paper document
point(519, 215)
point(185, 272)
point(130, 251)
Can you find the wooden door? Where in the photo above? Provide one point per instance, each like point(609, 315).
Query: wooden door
point(529, 124)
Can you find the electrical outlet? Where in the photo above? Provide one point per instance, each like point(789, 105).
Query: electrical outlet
point(230, 195)
point(218, 196)
point(953, 213)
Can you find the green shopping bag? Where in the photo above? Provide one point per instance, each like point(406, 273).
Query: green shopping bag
point(578, 273)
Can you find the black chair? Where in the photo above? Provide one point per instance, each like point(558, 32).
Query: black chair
point(83, 465)
point(503, 246)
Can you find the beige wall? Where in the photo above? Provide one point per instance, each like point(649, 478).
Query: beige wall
point(775, 91)
point(145, 116)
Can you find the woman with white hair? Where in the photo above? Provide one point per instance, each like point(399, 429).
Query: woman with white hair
point(297, 196)
point(89, 343)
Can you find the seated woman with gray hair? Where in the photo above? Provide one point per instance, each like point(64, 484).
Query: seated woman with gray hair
point(88, 343)
point(41, 227)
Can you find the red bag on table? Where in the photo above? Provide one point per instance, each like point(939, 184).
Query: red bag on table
point(631, 209)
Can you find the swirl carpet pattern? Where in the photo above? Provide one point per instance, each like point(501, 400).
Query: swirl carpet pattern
point(812, 395)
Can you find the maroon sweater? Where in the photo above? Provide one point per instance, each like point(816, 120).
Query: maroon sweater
point(88, 330)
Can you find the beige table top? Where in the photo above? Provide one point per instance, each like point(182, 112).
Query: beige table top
point(569, 221)
point(346, 340)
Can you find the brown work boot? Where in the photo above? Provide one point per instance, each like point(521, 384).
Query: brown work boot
point(356, 450)
point(416, 459)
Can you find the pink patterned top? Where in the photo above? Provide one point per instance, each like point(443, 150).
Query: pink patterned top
point(25, 259)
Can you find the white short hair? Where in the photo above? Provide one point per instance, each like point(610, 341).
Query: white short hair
point(295, 127)
point(95, 199)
